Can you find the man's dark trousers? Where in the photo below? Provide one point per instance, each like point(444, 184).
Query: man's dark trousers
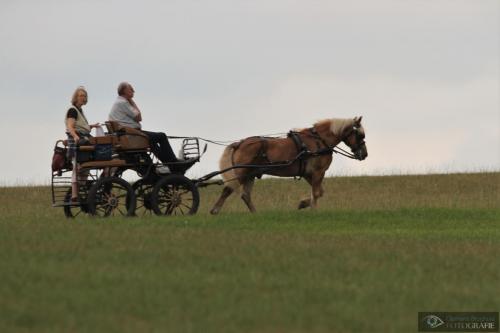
point(160, 146)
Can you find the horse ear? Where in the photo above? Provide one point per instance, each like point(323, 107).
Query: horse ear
point(357, 120)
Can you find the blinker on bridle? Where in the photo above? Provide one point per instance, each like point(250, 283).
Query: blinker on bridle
point(360, 140)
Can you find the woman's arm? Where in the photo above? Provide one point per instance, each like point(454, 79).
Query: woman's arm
point(70, 124)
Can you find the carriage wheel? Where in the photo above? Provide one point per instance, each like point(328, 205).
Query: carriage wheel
point(175, 195)
point(72, 211)
point(111, 196)
point(143, 192)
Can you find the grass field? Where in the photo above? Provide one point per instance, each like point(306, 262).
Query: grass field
point(377, 251)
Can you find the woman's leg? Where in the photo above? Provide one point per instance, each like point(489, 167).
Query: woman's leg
point(74, 180)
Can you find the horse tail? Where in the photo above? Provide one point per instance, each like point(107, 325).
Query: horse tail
point(226, 161)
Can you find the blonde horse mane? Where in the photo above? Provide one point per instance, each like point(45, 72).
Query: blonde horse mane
point(336, 125)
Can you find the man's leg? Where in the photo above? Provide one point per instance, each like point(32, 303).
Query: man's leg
point(161, 147)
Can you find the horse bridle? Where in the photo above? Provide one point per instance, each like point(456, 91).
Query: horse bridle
point(359, 142)
point(360, 139)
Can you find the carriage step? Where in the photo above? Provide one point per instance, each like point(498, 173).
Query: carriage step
point(70, 204)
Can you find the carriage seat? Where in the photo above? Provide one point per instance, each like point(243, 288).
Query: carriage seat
point(122, 138)
point(99, 140)
point(128, 138)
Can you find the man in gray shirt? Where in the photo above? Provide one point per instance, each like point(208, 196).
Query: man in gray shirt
point(127, 114)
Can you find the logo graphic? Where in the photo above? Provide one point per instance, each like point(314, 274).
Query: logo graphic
point(458, 322)
point(432, 321)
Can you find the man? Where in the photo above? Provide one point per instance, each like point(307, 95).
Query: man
point(126, 113)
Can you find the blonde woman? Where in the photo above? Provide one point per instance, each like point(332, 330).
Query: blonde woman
point(78, 130)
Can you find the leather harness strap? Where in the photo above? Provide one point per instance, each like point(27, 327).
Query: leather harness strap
point(263, 149)
point(301, 148)
point(316, 135)
point(303, 152)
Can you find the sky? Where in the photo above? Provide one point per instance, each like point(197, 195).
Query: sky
point(424, 74)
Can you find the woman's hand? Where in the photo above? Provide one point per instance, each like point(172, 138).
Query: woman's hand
point(70, 123)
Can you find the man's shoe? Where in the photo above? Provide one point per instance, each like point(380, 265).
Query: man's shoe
point(162, 169)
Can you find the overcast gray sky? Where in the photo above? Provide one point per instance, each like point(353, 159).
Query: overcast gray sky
point(425, 75)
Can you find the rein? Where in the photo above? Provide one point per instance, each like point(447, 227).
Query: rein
point(314, 134)
point(343, 152)
point(224, 143)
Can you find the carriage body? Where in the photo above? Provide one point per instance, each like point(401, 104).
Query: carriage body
point(103, 191)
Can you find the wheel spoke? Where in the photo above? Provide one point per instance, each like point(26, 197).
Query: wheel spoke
point(166, 194)
point(188, 207)
point(169, 210)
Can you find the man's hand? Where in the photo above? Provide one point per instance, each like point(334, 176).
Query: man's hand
point(132, 102)
point(138, 116)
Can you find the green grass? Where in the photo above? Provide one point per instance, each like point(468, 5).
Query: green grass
point(377, 251)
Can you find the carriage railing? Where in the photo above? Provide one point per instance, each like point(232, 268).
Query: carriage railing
point(190, 148)
point(61, 187)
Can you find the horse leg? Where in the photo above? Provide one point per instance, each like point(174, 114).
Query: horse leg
point(226, 192)
point(306, 202)
point(246, 195)
point(317, 189)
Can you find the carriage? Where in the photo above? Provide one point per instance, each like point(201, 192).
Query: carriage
point(304, 153)
point(102, 191)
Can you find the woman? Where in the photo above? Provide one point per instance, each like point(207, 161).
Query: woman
point(78, 130)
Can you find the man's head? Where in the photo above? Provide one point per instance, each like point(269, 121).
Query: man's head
point(126, 90)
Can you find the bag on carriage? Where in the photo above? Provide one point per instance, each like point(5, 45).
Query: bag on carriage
point(59, 159)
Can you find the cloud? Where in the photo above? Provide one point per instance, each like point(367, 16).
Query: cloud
point(411, 126)
point(425, 73)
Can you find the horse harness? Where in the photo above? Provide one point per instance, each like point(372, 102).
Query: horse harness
point(303, 152)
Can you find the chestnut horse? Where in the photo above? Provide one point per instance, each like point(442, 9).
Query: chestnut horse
point(313, 145)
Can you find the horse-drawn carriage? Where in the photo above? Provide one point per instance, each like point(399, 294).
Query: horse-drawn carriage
point(102, 191)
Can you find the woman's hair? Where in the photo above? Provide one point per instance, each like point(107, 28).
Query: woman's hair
point(75, 94)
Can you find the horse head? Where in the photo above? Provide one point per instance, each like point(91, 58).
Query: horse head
point(354, 137)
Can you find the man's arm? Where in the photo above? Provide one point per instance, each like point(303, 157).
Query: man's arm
point(138, 115)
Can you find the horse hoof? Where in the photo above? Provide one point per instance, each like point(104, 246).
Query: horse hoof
point(302, 205)
point(214, 211)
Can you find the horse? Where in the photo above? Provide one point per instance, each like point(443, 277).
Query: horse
point(305, 153)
